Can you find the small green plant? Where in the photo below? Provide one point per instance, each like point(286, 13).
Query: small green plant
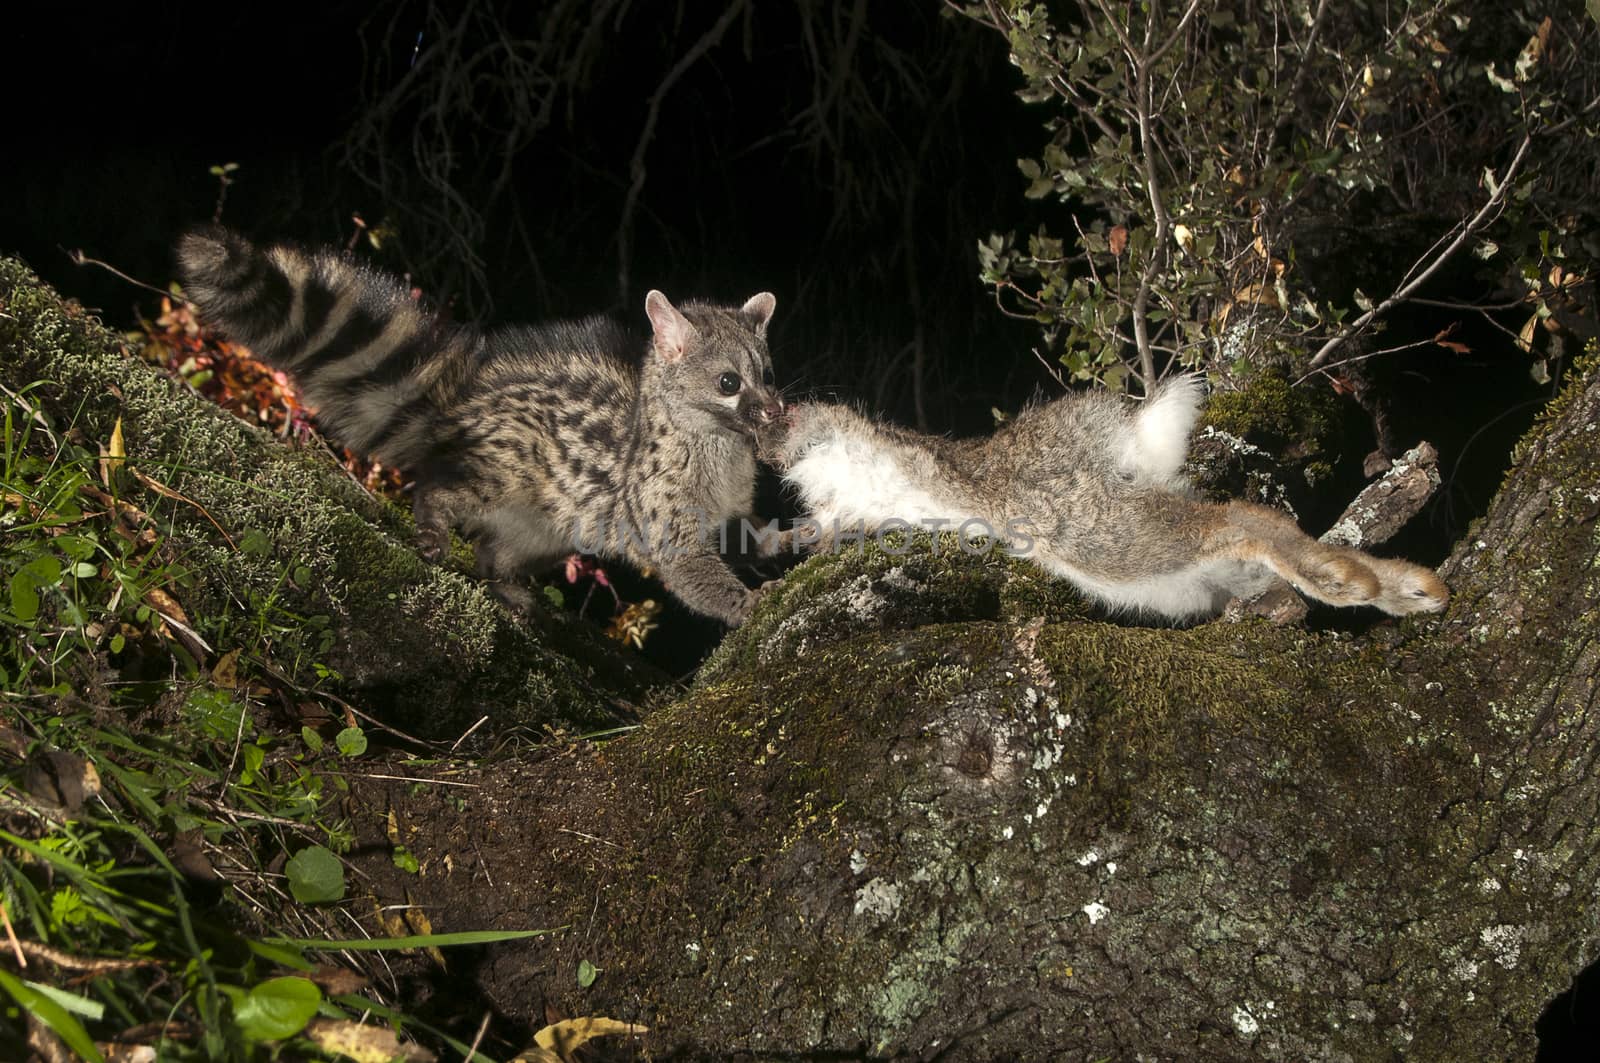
point(158, 833)
point(224, 175)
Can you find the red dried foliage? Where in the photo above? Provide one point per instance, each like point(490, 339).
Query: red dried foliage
point(229, 375)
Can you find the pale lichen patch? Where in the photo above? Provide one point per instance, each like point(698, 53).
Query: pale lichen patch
point(1504, 943)
point(878, 899)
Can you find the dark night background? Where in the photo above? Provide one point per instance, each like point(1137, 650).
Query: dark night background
point(845, 156)
point(857, 202)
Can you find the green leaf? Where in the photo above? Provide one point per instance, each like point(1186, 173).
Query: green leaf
point(53, 1015)
point(315, 875)
point(312, 740)
point(73, 1004)
point(254, 757)
point(352, 741)
point(554, 596)
point(405, 861)
point(45, 570)
point(277, 1008)
point(255, 542)
point(77, 547)
point(282, 955)
point(24, 597)
point(587, 973)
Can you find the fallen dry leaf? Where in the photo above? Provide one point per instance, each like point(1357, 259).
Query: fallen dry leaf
point(226, 671)
point(166, 605)
point(556, 1042)
point(338, 981)
point(364, 1044)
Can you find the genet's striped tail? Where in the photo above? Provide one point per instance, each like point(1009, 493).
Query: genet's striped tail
point(377, 367)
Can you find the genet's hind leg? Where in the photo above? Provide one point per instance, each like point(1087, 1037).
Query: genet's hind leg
point(512, 544)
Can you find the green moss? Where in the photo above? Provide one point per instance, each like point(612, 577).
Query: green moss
point(899, 583)
point(1271, 413)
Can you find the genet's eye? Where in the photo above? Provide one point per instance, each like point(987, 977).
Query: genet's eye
point(729, 384)
point(767, 378)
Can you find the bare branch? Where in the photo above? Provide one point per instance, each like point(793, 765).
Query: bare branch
point(1420, 274)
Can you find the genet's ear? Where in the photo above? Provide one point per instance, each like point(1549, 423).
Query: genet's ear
point(758, 310)
point(672, 330)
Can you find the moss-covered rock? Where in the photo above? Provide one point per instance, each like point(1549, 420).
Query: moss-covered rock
point(1271, 413)
point(895, 582)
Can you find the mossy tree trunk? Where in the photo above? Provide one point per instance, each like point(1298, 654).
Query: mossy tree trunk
point(920, 805)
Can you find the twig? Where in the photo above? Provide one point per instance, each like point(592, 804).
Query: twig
point(34, 413)
point(483, 1028)
point(343, 704)
point(67, 961)
point(1299, 77)
point(1325, 369)
point(1143, 58)
point(80, 259)
point(1420, 275)
point(587, 837)
point(178, 496)
point(408, 778)
point(1386, 504)
point(11, 937)
point(464, 734)
point(238, 740)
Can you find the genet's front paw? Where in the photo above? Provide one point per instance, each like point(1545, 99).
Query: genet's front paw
point(433, 543)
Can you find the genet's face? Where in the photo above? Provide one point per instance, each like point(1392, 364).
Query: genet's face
point(740, 391)
point(717, 361)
